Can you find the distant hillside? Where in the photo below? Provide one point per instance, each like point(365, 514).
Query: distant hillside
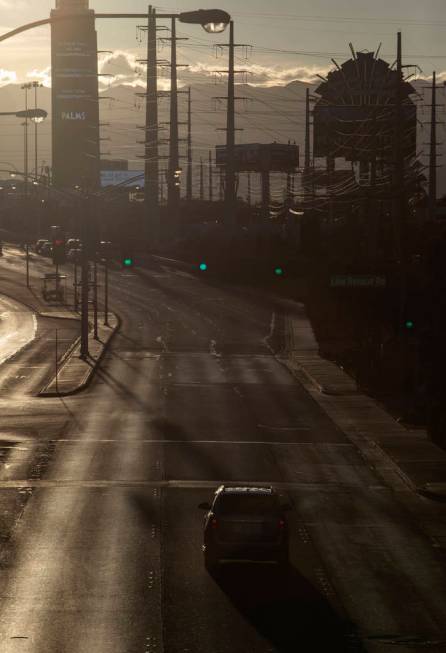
point(265, 114)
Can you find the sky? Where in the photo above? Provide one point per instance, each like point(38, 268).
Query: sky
point(291, 39)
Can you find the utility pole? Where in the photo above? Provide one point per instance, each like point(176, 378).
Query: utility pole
point(307, 160)
point(307, 130)
point(201, 181)
point(35, 86)
point(163, 178)
point(27, 264)
point(189, 146)
point(433, 152)
point(211, 179)
point(76, 296)
point(221, 186)
point(266, 194)
point(26, 88)
point(151, 158)
point(173, 186)
point(399, 205)
point(249, 190)
point(288, 187)
point(230, 199)
point(230, 189)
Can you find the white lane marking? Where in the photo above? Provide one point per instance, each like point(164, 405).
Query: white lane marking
point(271, 333)
point(191, 442)
point(269, 427)
point(28, 484)
point(213, 349)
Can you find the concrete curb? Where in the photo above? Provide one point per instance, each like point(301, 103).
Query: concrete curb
point(63, 315)
point(87, 368)
point(382, 441)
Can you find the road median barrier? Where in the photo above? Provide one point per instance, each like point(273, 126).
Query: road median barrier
point(74, 373)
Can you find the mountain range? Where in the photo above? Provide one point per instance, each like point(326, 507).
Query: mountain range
point(264, 114)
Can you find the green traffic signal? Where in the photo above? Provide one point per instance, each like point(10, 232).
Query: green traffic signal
point(128, 262)
point(278, 271)
point(410, 324)
point(203, 267)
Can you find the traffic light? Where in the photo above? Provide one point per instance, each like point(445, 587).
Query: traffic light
point(59, 254)
point(128, 262)
point(409, 325)
point(58, 243)
point(203, 267)
point(279, 271)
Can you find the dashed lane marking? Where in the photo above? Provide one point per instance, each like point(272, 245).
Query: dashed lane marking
point(29, 484)
point(268, 443)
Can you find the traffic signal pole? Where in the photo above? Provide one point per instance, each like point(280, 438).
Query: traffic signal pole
point(95, 299)
point(84, 279)
point(106, 291)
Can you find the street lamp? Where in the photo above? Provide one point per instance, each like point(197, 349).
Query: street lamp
point(213, 21)
point(36, 115)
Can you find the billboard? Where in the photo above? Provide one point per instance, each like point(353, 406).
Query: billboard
point(75, 105)
point(125, 178)
point(261, 157)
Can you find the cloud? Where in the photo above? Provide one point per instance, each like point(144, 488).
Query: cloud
point(7, 77)
point(14, 4)
point(266, 76)
point(122, 67)
point(43, 76)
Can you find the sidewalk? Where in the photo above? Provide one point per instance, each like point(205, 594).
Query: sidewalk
point(75, 373)
point(404, 458)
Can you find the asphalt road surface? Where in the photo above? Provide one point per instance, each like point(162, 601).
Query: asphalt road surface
point(101, 535)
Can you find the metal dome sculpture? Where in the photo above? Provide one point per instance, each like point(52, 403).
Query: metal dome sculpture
point(354, 117)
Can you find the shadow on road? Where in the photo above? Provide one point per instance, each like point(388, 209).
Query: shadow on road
point(285, 608)
point(145, 504)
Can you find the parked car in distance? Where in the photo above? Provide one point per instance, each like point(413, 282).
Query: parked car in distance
point(73, 243)
point(46, 249)
point(245, 524)
point(74, 255)
point(39, 244)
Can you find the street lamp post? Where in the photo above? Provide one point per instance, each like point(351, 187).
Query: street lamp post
point(213, 21)
point(36, 115)
point(105, 251)
point(26, 88)
point(36, 120)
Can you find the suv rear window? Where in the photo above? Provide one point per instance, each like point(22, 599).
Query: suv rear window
point(245, 503)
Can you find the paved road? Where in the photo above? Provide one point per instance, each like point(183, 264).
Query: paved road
point(18, 327)
point(101, 542)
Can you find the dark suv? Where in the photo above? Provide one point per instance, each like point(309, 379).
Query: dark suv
point(245, 523)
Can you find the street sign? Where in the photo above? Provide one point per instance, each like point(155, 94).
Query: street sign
point(358, 281)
